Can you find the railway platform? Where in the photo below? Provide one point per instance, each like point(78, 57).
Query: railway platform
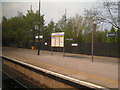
point(102, 71)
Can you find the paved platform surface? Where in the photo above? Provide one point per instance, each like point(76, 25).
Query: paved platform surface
point(103, 71)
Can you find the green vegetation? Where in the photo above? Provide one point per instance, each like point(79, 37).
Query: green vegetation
point(21, 29)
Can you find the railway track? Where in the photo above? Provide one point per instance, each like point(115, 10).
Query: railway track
point(9, 82)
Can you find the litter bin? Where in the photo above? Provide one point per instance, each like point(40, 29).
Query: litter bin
point(33, 47)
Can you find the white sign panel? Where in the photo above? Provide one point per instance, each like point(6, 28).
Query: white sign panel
point(74, 44)
point(57, 39)
point(39, 36)
point(45, 43)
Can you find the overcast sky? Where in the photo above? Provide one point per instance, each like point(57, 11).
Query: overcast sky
point(51, 10)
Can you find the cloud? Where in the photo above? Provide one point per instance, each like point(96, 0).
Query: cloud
point(55, 10)
point(10, 9)
point(51, 10)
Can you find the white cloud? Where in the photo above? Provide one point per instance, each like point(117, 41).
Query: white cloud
point(51, 10)
point(10, 9)
point(55, 10)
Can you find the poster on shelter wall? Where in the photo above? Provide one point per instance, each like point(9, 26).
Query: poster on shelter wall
point(57, 39)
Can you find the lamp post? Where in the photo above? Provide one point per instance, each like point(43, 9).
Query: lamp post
point(93, 37)
point(118, 36)
point(51, 41)
point(39, 30)
point(64, 32)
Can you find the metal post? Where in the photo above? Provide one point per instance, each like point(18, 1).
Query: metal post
point(118, 41)
point(51, 41)
point(64, 48)
point(92, 45)
point(39, 30)
point(64, 35)
point(51, 45)
point(51, 51)
point(34, 38)
point(64, 51)
point(93, 38)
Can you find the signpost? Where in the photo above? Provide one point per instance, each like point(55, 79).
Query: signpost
point(111, 34)
point(39, 27)
point(93, 38)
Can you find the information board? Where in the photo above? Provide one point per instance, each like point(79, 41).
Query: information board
point(57, 39)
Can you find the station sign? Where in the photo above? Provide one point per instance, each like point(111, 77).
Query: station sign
point(74, 44)
point(111, 34)
point(57, 39)
point(69, 39)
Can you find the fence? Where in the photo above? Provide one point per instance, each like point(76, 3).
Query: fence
point(100, 49)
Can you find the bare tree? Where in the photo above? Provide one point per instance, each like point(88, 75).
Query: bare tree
point(104, 12)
